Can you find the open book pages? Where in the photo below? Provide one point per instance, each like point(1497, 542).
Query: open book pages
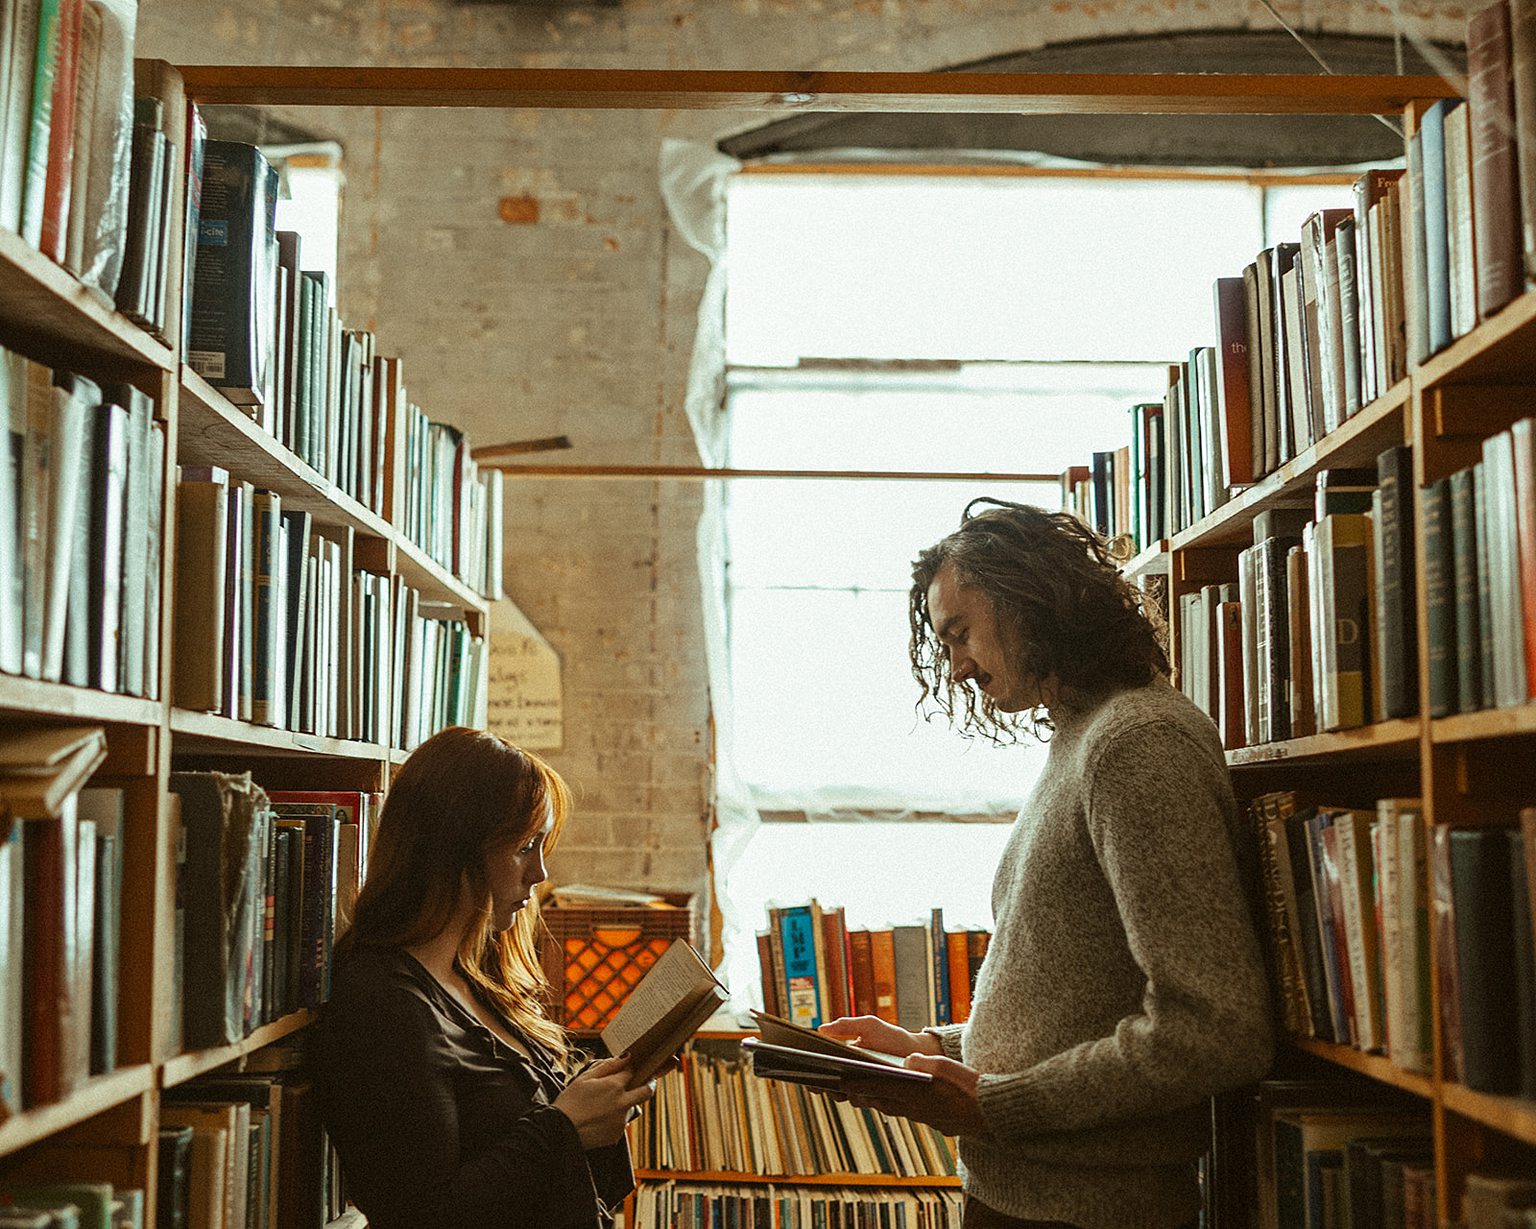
point(832, 1072)
point(780, 1032)
point(677, 994)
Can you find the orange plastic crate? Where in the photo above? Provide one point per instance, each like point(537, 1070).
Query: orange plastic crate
point(594, 957)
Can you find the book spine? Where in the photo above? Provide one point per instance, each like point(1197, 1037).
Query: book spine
point(1469, 680)
point(1440, 601)
point(1496, 201)
point(1437, 272)
point(942, 1007)
point(1485, 959)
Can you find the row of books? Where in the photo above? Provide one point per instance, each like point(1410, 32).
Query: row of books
point(66, 115)
point(1480, 577)
point(80, 518)
point(61, 886)
point(266, 882)
point(265, 331)
point(143, 284)
point(695, 1205)
point(813, 968)
point(70, 1205)
point(277, 624)
point(1348, 896)
point(1319, 630)
point(714, 1115)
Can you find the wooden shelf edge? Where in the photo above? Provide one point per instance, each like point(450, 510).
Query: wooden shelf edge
point(1444, 367)
point(1154, 561)
point(724, 1176)
point(1399, 734)
point(35, 698)
point(1513, 1116)
point(1486, 723)
point(97, 1094)
point(425, 573)
point(1382, 1070)
point(187, 1066)
point(74, 316)
point(246, 736)
point(1292, 477)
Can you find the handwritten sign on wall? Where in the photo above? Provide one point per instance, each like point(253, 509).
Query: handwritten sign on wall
point(524, 703)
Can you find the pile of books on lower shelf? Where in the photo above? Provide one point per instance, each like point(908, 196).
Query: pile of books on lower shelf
point(1348, 896)
point(267, 883)
point(702, 1205)
point(814, 968)
point(713, 1115)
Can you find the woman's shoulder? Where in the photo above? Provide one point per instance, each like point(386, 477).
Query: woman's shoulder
point(382, 981)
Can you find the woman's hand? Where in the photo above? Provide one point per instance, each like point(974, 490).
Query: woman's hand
point(599, 1100)
point(873, 1033)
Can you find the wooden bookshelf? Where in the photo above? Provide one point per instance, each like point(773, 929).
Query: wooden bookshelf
point(1382, 1070)
point(42, 306)
point(1510, 1116)
point(1499, 348)
point(205, 733)
point(1154, 561)
point(1388, 739)
point(1489, 723)
point(1357, 442)
point(199, 1062)
point(33, 698)
point(728, 1177)
point(101, 1093)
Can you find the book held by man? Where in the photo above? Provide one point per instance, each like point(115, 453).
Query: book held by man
point(794, 1054)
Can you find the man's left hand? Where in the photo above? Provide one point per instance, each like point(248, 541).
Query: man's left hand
point(948, 1104)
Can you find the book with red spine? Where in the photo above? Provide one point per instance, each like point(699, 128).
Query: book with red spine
point(61, 135)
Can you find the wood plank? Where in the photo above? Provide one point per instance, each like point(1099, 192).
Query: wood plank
point(95, 1095)
point(809, 91)
point(202, 733)
point(47, 313)
point(1497, 350)
point(1388, 739)
point(1490, 723)
point(1513, 1116)
point(199, 1062)
point(34, 698)
point(1154, 561)
point(1375, 1066)
point(1356, 443)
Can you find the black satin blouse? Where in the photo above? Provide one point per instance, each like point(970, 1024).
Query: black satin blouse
point(440, 1123)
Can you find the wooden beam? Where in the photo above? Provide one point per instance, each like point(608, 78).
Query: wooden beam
point(699, 473)
point(668, 90)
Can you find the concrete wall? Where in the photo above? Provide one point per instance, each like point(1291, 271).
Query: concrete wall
point(523, 265)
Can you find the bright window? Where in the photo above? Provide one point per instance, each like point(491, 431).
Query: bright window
point(975, 324)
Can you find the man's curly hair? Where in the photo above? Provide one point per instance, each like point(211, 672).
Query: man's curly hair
point(1061, 604)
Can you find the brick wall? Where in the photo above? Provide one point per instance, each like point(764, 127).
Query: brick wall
point(523, 265)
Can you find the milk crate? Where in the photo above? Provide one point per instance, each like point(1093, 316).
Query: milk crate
point(593, 956)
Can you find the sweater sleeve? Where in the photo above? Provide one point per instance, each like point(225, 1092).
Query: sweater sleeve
point(392, 1110)
point(1157, 806)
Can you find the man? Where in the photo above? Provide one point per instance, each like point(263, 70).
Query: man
point(1123, 984)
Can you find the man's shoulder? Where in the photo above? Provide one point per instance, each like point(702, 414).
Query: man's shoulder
point(1156, 716)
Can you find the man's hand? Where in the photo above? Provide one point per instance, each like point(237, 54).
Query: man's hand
point(873, 1033)
point(948, 1104)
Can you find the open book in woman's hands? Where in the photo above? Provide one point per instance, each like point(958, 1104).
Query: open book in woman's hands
point(798, 1055)
point(674, 998)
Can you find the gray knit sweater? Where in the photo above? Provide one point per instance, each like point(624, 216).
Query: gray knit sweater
point(1123, 985)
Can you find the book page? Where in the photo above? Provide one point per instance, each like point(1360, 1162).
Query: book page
point(678, 976)
point(792, 1036)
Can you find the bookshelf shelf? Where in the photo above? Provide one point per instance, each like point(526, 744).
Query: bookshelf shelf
point(202, 733)
point(435, 582)
point(101, 1093)
point(185, 1066)
point(721, 1176)
point(1498, 349)
point(1383, 1070)
point(1386, 740)
point(1490, 723)
point(43, 303)
point(1154, 561)
point(1356, 443)
point(34, 698)
point(1511, 1115)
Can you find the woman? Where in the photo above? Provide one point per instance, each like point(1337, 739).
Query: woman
point(1123, 984)
point(444, 1087)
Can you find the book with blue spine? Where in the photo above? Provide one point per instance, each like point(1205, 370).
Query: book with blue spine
point(943, 1009)
point(797, 929)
